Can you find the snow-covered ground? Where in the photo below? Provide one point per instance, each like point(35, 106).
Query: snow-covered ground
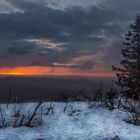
point(96, 123)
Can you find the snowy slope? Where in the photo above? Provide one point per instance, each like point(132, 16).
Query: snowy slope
point(96, 123)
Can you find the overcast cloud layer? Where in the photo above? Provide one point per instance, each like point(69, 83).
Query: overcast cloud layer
point(79, 34)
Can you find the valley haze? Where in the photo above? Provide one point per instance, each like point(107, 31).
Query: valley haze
point(49, 87)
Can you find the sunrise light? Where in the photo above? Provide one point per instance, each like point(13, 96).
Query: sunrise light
point(51, 71)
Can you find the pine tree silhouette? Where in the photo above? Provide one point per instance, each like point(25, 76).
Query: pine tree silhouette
point(128, 73)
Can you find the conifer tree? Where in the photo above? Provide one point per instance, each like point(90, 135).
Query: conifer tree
point(128, 74)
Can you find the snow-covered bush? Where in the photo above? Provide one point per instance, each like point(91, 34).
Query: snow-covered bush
point(133, 107)
point(17, 117)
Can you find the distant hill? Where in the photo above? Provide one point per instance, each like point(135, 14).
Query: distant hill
point(49, 88)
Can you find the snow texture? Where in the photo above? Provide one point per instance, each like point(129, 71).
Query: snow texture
point(79, 122)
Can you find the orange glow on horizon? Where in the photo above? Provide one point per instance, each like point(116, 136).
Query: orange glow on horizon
point(51, 71)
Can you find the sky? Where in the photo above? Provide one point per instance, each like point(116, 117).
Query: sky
point(63, 37)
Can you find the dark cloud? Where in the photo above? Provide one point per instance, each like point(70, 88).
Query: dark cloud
point(84, 31)
point(20, 48)
point(84, 66)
